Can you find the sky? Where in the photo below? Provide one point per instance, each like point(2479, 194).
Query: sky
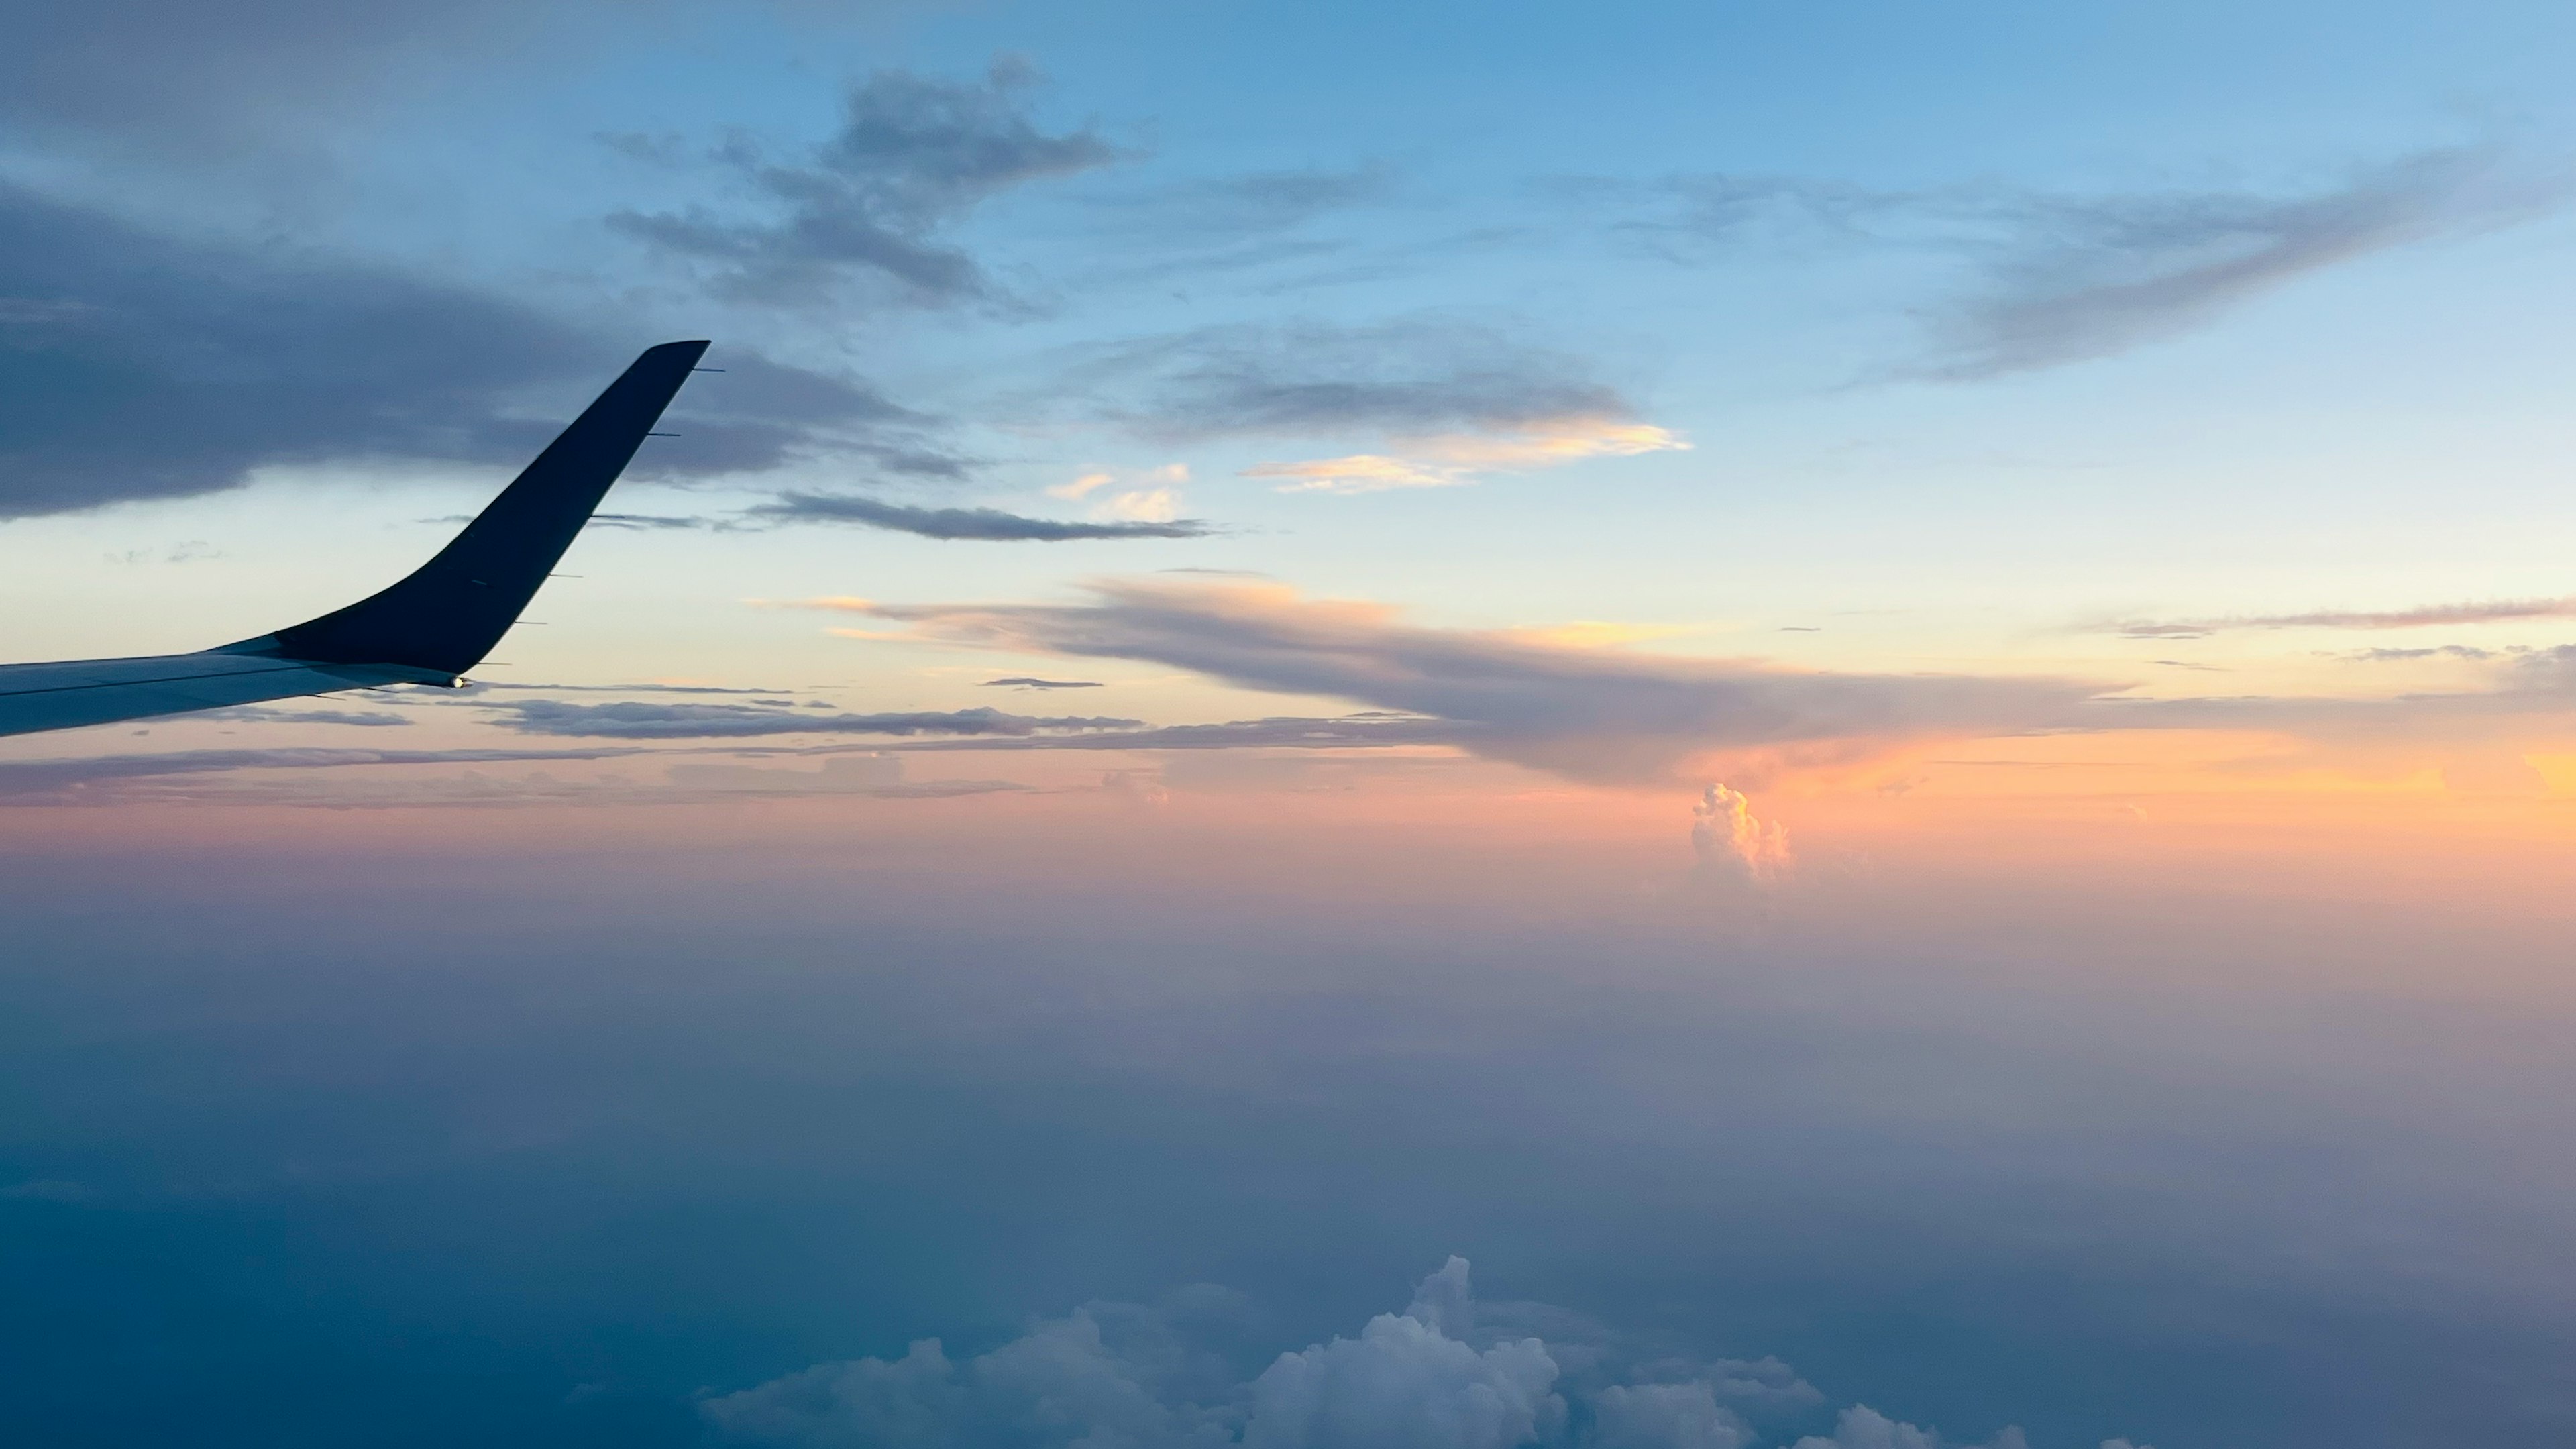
point(1654, 726)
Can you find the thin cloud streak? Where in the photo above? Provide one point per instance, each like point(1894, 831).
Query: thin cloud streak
point(636, 720)
point(990, 525)
point(2056, 279)
point(2492, 612)
point(913, 155)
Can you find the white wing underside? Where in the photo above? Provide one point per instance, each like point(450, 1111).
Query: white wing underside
point(103, 691)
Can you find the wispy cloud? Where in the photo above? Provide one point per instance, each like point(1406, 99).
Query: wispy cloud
point(1417, 376)
point(637, 720)
point(986, 524)
point(1597, 714)
point(1027, 681)
point(1446, 398)
point(1454, 459)
point(2056, 278)
point(2492, 612)
point(913, 155)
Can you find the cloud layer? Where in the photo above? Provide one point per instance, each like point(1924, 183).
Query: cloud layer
point(1446, 1373)
point(1603, 715)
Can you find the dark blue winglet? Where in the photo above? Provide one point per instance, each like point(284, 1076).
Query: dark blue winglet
point(450, 612)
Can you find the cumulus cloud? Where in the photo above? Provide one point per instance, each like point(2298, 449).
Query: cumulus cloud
point(1442, 1374)
point(986, 524)
point(2492, 612)
point(2059, 278)
point(913, 155)
point(135, 364)
point(638, 720)
point(1731, 842)
point(1592, 714)
point(1404, 1383)
point(1861, 1427)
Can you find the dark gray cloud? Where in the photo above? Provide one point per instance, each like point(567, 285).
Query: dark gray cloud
point(636, 720)
point(2059, 279)
point(913, 155)
point(988, 524)
point(1024, 681)
point(135, 364)
point(1414, 376)
point(2496, 611)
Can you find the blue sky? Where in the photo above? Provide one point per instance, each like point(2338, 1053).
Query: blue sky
point(1871, 697)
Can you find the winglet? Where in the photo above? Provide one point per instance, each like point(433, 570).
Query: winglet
point(450, 612)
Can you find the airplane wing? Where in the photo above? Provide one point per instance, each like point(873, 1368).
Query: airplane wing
point(428, 629)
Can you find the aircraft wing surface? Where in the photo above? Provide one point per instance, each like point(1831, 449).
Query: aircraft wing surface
point(427, 629)
point(101, 691)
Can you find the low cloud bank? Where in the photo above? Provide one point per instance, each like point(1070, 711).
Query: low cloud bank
point(1446, 1373)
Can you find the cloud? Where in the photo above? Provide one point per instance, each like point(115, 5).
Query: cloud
point(1413, 377)
point(986, 524)
point(256, 714)
point(1450, 460)
point(2092, 278)
point(1280, 732)
point(1446, 1373)
point(1026, 681)
point(136, 364)
point(2058, 278)
point(879, 776)
point(25, 781)
point(1405, 1383)
point(1863, 1428)
point(1731, 843)
point(2492, 612)
point(2438, 651)
point(1452, 398)
point(636, 720)
point(1592, 714)
point(913, 155)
